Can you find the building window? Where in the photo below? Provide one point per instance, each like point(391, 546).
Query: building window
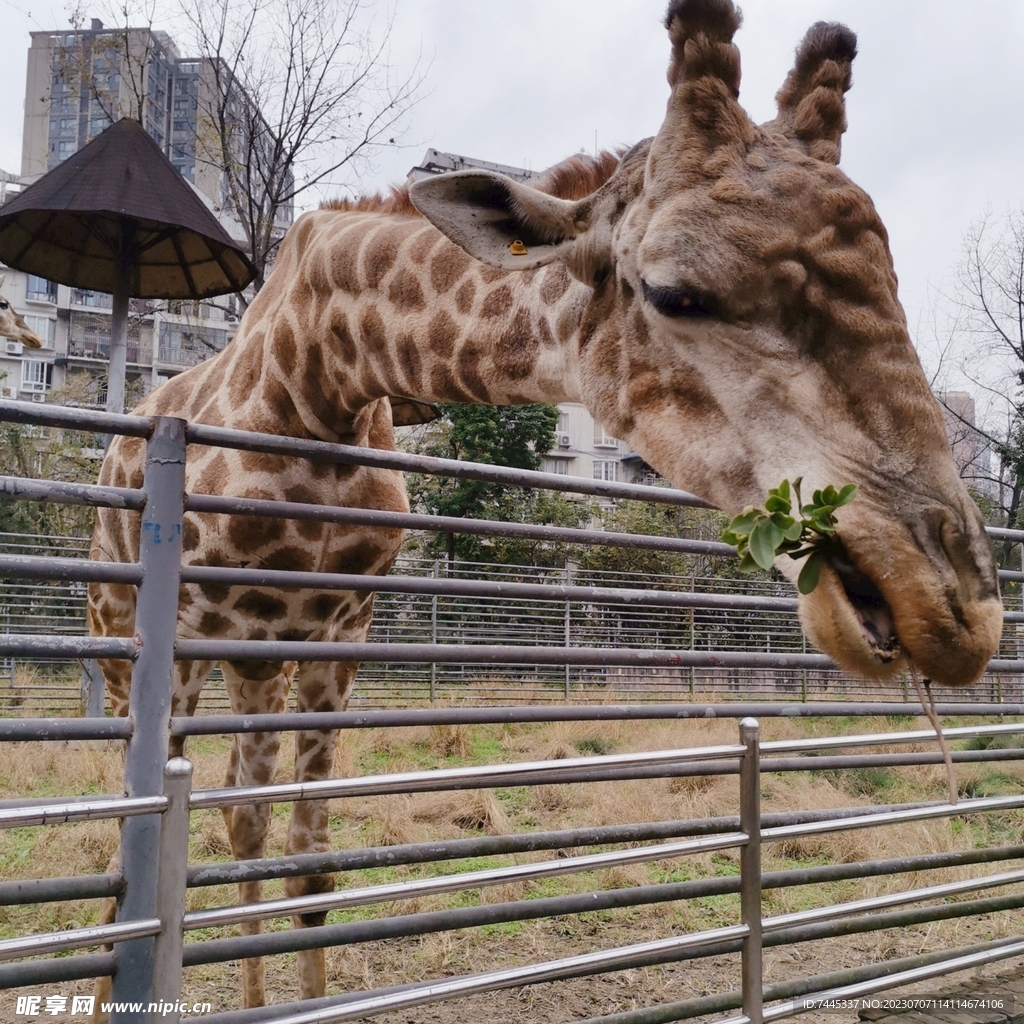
point(606, 469)
point(39, 289)
point(43, 327)
point(84, 297)
point(36, 375)
point(602, 439)
point(558, 466)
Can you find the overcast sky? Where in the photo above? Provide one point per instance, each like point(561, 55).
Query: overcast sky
point(936, 111)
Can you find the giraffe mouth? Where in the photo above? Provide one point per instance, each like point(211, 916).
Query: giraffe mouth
point(874, 616)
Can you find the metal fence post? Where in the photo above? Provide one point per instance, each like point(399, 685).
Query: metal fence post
point(92, 688)
point(156, 619)
point(750, 870)
point(570, 568)
point(435, 572)
point(170, 896)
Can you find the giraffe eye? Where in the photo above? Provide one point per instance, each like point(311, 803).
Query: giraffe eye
point(4, 304)
point(680, 302)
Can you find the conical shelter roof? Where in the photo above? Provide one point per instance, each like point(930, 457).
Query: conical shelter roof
point(119, 207)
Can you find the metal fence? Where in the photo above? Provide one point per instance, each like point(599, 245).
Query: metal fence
point(148, 936)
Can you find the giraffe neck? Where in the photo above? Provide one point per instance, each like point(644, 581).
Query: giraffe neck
point(363, 306)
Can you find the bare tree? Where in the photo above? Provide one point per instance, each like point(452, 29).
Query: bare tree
point(292, 94)
point(984, 346)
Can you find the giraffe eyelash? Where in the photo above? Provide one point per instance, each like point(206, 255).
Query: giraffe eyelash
point(680, 302)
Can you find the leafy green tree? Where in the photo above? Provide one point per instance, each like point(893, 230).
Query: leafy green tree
point(514, 436)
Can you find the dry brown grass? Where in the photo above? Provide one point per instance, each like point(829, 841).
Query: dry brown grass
point(54, 769)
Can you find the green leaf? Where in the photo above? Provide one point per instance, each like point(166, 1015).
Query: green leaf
point(764, 541)
point(810, 573)
point(847, 494)
point(742, 524)
point(795, 532)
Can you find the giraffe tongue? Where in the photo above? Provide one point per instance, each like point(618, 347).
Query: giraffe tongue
point(872, 610)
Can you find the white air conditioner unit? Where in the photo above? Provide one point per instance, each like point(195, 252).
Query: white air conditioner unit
point(565, 440)
point(38, 396)
point(13, 348)
point(231, 318)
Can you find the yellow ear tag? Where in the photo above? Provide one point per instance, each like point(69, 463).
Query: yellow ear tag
point(517, 248)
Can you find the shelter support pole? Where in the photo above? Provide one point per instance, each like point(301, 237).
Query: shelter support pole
point(118, 346)
point(156, 620)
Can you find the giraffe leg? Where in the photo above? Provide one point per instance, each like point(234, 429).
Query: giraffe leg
point(253, 762)
point(323, 686)
point(189, 677)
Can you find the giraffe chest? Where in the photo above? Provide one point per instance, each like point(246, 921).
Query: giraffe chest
point(256, 612)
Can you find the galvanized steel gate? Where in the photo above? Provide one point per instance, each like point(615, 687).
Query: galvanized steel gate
point(148, 935)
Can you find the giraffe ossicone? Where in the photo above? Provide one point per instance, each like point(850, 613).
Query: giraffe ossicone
point(725, 301)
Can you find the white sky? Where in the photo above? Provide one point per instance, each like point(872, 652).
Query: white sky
point(936, 111)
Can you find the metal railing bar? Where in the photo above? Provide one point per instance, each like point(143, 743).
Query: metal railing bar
point(1001, 533)
point(905, 977)
point(809, 763)
point(429, 586)
point(64, 968)
point(34, 567)
point(486, 776)
point(38, 729)
point(16, 487)
point(223, 437)
point(76, 938)
point(379, 719)
point(75, 419)
point(619, 958)
point(388, 892)
point(52, 890)
point(685, 1009)
point(84, 810)
point(485, 654)
point(873, 739)
point(975, 806)
point(298, 865)
point(230, 505)
point(68, 646)
point(893, 899)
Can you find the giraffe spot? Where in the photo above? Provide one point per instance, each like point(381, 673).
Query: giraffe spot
point(422, 242)
point(293, 635)
point(555, 284)
point(405, 292)
point(358, 619)
point(317, 277)
point(344, 269)
point(409, 362)
point(317, 381)
point(214, 624)
point(516, 352)
point(184, 597)
point(547, 339)
point(497, 303)
point(214, 473)
point(379, 255)
point(257, 671)
point(321, 607)
point(447, 267)
point(346, 347)
point(280, 409)
point(309, 529)
point(300, 493)
point(189, 534)
point(444, 386)
point(120, 477)
point(215, 593)
point(289, 558)
point(469, 369)
point(442, 334)
point(285, 347)
point(354, 560)
point(371, 329)
point(261, 605)
point(249, 533)
point(246, 372)
point(464, 296)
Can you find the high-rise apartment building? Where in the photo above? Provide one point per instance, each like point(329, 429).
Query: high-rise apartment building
point(77, 84)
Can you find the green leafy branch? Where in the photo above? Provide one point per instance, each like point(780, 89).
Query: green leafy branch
point(761, 535)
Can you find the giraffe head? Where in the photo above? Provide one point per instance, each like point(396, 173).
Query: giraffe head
point(743, 327)
point(12, 325)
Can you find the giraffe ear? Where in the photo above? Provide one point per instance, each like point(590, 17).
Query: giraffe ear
point(812, 107)
point(497, 220)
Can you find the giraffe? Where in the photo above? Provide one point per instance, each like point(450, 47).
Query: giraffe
point(725, 301)
point(12, 325)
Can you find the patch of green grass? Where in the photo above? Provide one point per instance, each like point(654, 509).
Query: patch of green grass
point(595, 745)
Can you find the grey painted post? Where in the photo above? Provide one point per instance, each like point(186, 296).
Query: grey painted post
point(170, 897)
point(750, 870)
point(92, 688)
point(570, 568)
point(118, 346)
point(435, 572)
point(149, 705)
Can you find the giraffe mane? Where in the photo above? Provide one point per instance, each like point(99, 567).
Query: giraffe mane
point(574, 178)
